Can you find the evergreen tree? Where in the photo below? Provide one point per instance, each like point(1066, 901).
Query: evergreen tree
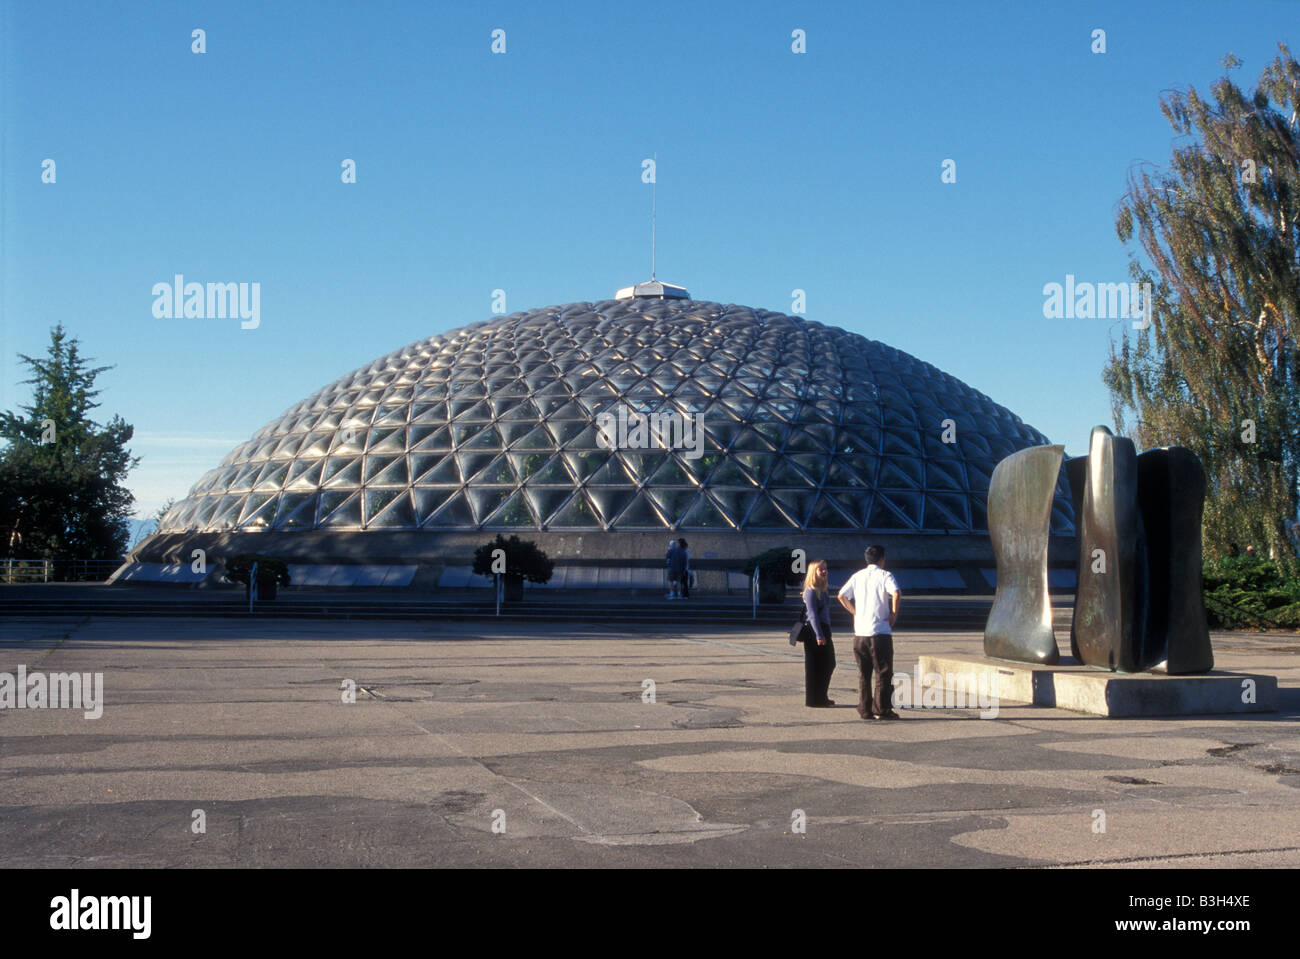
point(1218, 369)
point(61, 473)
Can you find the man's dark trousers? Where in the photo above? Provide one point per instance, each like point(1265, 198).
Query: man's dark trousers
point(818, 664)
point(874, 653)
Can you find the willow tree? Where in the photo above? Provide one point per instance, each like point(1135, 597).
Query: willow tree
point(1217, 369)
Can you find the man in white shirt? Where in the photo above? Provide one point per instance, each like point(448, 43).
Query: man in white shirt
point(872, 598)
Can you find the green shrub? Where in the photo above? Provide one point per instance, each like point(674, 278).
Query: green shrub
point(1245, 592)
point(523, 558)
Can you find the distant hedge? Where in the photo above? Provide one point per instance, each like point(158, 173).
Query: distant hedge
point(1247, 592)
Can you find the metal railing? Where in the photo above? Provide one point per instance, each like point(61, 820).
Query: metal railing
point(57, 570)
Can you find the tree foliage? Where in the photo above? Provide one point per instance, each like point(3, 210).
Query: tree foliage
point(61, 473)
point(523, 558)
point(1218, 369)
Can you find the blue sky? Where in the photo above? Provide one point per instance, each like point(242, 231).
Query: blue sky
point(521, 171)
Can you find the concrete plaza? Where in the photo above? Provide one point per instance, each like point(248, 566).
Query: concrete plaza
point(477, 743)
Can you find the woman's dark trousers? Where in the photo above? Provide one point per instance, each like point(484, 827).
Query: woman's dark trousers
point(818, 664)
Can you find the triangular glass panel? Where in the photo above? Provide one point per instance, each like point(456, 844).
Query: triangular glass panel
point(546, 500)
point(203, 513)
point(577, 513)
point(704, 515)
point(472, 462)
point(498, 472)
point(389, 509)
point(428, 500)
point(523, 412)
point(429, 413)
point(527, 465)
point(735, 503)
point(852, 471)
point(342, 471)
point(906, 442)
point(316, 444)
point(258, 511)
point(670, 473)
point(672, 503)
point(482, 439)
point(610, 500)
point(758, 464)
point(856, 504)
point(907, 503)
point(641, 464)
point(697, 467)
point(584, 464)
point(784, 474)
point(439, 439)
point(538, 439)
point(390, 413)
point(855, 443)
point(814, 464)
point(548, 473)
point(795, 503)
point(374, 465)
point(454, 513)
point(943, 475)
point(511, 432)
point(882, 517)
point(513, 514)
point(953, 506)
point(728, 472)
point(640, 514)
point(344, 514)
point(386, 440)
point(296, 511)
point(287, 448)
point(244, 478)
point(547, 406)
point(272, 476)
point(900, 471)
point(445, 471)
point(471, 411)
point(611, 474)
point(721, 433)
point(774, 433)
point(571, 432)
point(486, 500)
point(826, 515)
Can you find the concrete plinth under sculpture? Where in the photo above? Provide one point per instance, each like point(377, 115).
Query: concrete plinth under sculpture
point(1071, 685)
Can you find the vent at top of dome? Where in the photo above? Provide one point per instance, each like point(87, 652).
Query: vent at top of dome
point(653, 288)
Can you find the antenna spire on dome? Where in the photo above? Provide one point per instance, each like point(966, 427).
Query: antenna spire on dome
point(654, 209)
point(653, 287)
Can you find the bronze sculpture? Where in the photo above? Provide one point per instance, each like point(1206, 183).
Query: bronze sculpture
point(1020, 510)
point(1138, 599)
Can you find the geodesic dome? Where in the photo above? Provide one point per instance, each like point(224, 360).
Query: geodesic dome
point(496, 425)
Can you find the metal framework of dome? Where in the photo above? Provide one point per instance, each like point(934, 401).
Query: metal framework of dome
point(806, 426)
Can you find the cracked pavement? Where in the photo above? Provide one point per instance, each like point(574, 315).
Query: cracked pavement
point(486, 744)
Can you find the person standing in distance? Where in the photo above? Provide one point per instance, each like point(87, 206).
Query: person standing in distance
point(676, 562)
point(872, 598)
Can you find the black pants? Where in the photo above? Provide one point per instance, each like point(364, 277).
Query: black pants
point(818, 664)
point(875, 653)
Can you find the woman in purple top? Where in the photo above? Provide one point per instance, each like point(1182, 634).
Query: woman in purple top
point(819, 652)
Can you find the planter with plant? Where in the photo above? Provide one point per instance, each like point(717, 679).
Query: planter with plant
point(272, 573)
point(518, 560)
point(775, 573)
